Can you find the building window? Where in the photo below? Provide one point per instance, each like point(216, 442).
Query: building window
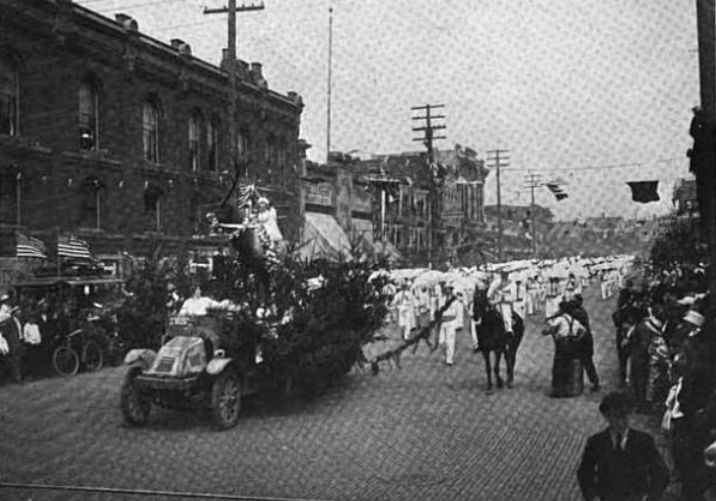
point(195, 123)
point(9, 97)
point(212, 145)
point(243, 143)
point(11, 197)
point(89, 115)
point(92, 207)
point(271, 158)
point(153, 208)
point(150, 129)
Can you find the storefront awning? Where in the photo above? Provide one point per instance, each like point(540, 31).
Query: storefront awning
point(323, 238)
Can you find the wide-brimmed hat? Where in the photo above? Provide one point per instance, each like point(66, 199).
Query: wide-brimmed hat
point(694, 317)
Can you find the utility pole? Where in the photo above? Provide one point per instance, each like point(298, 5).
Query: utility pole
point(532, 181)
point(328, 86)
point(497, 159)
point(706, 29)
point(428, 129)
point(232, 9)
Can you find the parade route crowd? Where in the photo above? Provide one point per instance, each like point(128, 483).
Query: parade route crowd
point(665, 343)
point(664, 336)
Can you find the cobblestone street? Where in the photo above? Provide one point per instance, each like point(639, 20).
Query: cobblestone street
point(427, 431)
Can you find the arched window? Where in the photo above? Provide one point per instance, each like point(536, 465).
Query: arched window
point(11, 196)
point(153, 208)
point(195, 125)
point(212, 144)
point(9, 96)
point(89, 114)
point(151, 113)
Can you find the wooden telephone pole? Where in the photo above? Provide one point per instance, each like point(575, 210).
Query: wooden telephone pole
point(532, 181)
point(427, 139)
point(232, 9)
point(496, 160)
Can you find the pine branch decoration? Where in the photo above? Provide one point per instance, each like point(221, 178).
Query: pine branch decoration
point(393, 356)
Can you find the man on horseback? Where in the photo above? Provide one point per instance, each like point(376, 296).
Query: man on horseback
point(479, 305)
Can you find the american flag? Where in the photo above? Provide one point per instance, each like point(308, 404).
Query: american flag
point(30, 247)
point(72, 247)
point(557, 190)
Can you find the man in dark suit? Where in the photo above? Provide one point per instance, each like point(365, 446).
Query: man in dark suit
point(586, 348)
point(620, 463)
point(479, 305)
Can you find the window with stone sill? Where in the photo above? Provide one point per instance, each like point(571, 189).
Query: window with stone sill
point(89, 115)
point(153, 209)
point(195, 125)
point(212, 144)
point(10, 197)
point(9, 97)
point(93, 198)
point(150, 130)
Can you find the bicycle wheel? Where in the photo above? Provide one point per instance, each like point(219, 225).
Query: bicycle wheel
point(66, 361)
point(92, 357)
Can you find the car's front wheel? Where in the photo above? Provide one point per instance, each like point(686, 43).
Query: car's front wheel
point(226, 399)
point(135, 406)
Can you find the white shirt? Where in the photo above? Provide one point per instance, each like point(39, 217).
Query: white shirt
point(198, 306)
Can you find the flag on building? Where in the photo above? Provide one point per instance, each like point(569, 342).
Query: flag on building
point(644, 191)
point(30, 247)
point(557, 190)
point(73, 247)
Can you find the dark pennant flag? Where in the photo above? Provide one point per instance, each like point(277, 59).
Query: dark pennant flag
point(644, 191)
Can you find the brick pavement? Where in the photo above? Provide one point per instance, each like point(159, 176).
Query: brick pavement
point(426, 431)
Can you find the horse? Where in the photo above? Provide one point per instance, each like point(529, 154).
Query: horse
point(495, 339)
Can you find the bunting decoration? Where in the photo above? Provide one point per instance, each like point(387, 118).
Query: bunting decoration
point(557, 191)
point(644, 191)
point(73, 247)
point(30, 247)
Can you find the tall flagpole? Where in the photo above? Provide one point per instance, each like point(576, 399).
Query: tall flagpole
point(328, 87)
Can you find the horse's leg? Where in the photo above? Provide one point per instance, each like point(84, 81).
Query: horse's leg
point(510, 361)
point(498, 359)
point(488, 369)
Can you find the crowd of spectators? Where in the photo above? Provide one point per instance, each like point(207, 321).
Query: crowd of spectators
point(665, 321)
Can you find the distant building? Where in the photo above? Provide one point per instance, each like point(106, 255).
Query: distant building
point(684, 197)
point(430, 213)
point(337, 212)
point(517, 227)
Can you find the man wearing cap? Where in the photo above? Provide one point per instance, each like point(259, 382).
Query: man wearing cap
point(621, 463)
point(479, 306)
point(586, 350)
point(690, 326)
point(11, 332)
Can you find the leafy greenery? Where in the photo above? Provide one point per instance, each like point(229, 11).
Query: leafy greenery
point(310, 328)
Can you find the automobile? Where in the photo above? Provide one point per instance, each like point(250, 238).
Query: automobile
point(194, 368)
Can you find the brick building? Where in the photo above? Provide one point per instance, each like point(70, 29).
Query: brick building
point(433, 212)
point(122, 140)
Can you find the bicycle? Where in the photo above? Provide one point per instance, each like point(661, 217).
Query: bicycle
point(75, 350)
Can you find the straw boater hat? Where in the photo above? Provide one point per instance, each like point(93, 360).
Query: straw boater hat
point(694, 317)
